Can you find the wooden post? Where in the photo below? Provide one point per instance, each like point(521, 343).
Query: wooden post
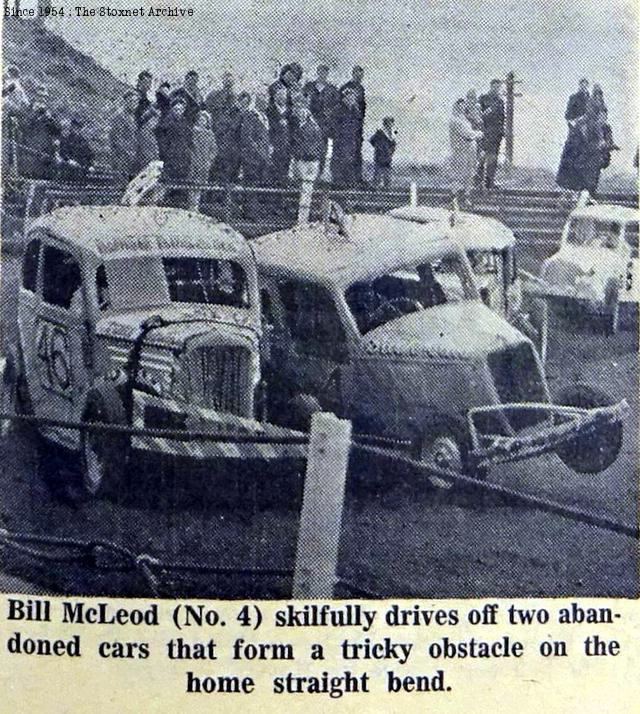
point(322, 504)
point(508, 124)
point(413, 194)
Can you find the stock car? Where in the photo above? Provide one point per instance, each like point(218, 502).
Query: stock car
point(380, 321)
point(138, 316)
point(596, 268)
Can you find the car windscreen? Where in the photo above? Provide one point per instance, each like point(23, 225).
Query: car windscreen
point(590, 233)
point(412, 289)
point(145, 281)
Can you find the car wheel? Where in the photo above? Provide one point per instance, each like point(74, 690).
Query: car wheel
point(595, 451)
point(444, 444)
point(15, 394)
point(104, 455)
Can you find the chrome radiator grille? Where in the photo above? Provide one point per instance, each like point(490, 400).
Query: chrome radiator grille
point(219, 378)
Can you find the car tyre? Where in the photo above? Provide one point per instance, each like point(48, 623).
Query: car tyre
point(104, 455)
point(591, 453)
point(444, 442)
point(15, 394)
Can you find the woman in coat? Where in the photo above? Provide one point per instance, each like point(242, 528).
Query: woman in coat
point(204, 152)
point(464, 152)
point(147, 139)
point(347, 142)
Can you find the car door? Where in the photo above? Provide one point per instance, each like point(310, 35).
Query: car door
point(60, 373)
point(313, 354)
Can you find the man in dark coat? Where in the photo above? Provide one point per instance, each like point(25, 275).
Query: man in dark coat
point(190, 94)
point(142, 90)
point(123, 139)
point(290, 78)
point(384, 146)
point(39, 139)
point(222, 105)
point(280, 137)
point(346, 160)
point(355, 85)
point(577, 104)
point(255, 152)
point(324, 99)
point(176, 135)
point(76, 154)
point(493, 118)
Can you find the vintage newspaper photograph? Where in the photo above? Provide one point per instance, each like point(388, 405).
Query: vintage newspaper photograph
point(318, 301)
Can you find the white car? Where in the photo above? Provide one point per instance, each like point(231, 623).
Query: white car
point(596, 266)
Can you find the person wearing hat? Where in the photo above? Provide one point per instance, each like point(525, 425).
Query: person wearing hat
point(384, 146)
point(40, 139)
point(123, 138)
point(76, 155)
point(175, 136)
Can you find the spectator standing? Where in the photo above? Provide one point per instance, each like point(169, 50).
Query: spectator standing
point(355, 86)
point(280, 136)
point(347, 143)
point(40, 139)
point(324, 99)
point(598, 97)
point(15, 100)
point(177, 139)
point(493, 117)
point(220, 101)
point(577, 104)
point(123, 139)
point(290, 78)
point(76, 155)
point(204, 153)
point(255, 152)
point(463, 138)
point(15, 107)
point(592, 146)
point(607, 136)
point(384, 146)
point(148, 149)
point(163, 99)
point(143, 87)
point(223, 110)
point(190, 94)
point(307, 142)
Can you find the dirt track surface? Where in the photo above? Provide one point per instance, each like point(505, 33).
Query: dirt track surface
point(401, 537)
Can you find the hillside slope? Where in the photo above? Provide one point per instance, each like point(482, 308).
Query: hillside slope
point(76, 82)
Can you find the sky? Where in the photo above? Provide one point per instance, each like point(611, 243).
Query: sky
point(419, 56)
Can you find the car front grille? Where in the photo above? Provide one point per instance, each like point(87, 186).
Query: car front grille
point(219, 378)
point(517, 378)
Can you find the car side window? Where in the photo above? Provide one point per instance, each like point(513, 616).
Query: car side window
point(312, 318)
point(30, 265)
point(61, 278)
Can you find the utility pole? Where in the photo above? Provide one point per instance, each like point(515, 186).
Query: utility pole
point(510, 83)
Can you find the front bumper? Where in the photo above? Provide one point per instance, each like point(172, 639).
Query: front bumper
point(156, 414)
point(558, 425)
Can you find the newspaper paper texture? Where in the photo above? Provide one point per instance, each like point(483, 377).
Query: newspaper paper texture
point(319, 356)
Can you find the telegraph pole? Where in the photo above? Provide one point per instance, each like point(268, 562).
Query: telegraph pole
point(510, 84)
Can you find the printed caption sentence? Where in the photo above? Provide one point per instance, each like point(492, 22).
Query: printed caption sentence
point(217, 649)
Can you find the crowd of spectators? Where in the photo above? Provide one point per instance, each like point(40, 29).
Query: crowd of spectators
point(293, 132)
point(41, 144)
point(476, 130)
point(275, 137)
point(589, 144)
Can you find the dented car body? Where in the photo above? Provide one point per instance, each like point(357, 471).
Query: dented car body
point(380, 321)
point(146, 317)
